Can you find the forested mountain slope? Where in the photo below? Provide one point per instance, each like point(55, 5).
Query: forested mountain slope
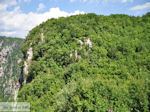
point(10, 56)
point(88, 63)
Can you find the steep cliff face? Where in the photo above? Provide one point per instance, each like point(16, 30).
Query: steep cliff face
point(27, 63)
point(10, 58)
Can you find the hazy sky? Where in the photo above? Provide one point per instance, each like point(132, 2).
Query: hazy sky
point(17, 17)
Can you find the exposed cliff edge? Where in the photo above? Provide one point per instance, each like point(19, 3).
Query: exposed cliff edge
point(27, 63)
point(10, 71)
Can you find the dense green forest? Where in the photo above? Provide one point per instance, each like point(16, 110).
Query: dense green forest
point(10, 71)
point(89, 63)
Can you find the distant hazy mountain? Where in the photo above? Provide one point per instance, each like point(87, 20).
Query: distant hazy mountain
point(10, 57)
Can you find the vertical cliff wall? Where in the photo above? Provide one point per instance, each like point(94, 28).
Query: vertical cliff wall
point(10, 58)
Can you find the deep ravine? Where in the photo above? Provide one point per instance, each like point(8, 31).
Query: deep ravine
point(10, 71)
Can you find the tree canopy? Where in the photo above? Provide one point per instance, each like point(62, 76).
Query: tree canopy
point(68, 73)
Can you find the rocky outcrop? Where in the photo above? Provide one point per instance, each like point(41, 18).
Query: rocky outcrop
point(86, 42)
point(27, 63)
point(42, 37)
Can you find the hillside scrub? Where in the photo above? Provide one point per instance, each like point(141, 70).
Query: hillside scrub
point(90, 63)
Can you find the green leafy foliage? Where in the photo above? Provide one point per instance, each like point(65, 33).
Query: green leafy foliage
point(112, 75)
